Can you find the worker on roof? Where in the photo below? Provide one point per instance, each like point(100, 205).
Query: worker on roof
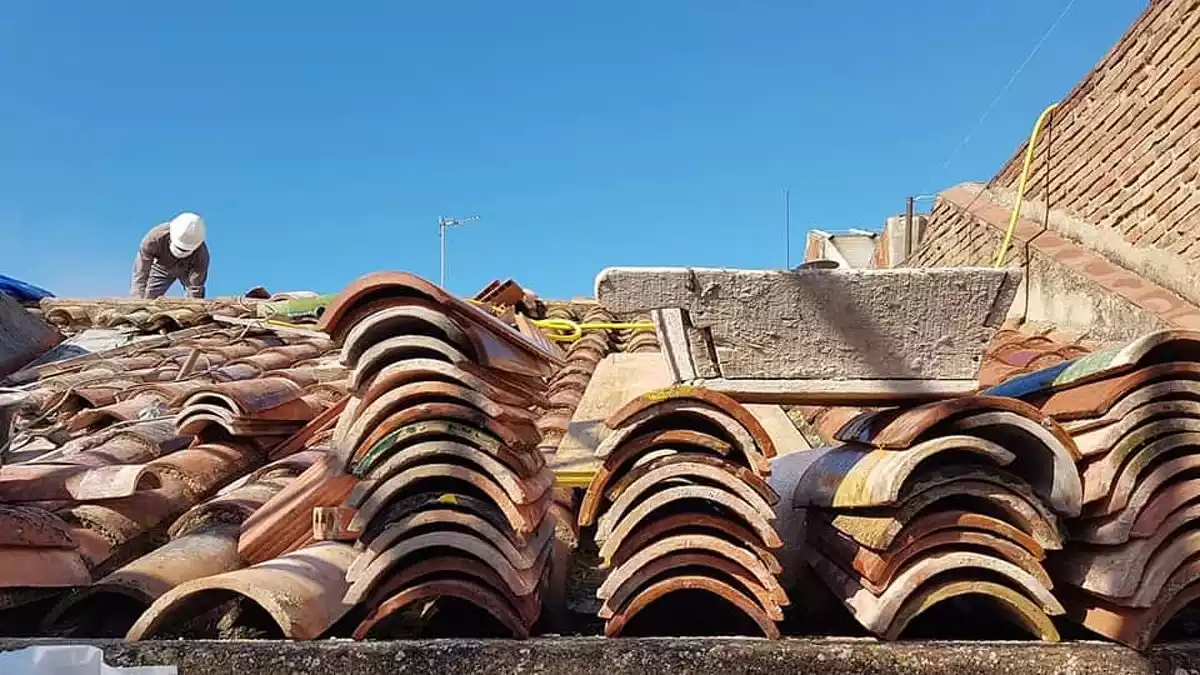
point(171, 252)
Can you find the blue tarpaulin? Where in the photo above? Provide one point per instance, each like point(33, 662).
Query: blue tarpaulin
point(21, 291)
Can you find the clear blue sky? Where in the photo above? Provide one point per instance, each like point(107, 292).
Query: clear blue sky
point(322, 140)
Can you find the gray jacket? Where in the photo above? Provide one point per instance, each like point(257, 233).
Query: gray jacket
point(156, 268)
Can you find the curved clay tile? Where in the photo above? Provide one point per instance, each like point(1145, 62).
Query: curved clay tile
point(878, 613)
point(530, 487)
point(194, 556)
point(285, 522)
point(524, 516)
point(518, 582)
point(713, 399)
point(1098, 475)
point(1097, 399)
point(302, 592)
point(932, 522)
point(687, 414)
point(1142, 517)
point(1118, 571)
point(528, 607)
point(851, 476)
point(204, 468)
point(1009, 604)
point(520, 557)
point(876, 571)
point(691, 560)
point(497, 343)
point(656, 591)
point(266, 396)
point(229, 507)
point(625, 572)
point(358, 441)
point(1146, 470)
point(421, 370)
point(575, 382)
point(421, 501)
point(1138, 627)
point(632, 450)
point(655, 465)
point(417, 318)
point(70, 482)
point(617, 549)
point(409, 435)
point(1099, 441)
point(669, 474)
point(29, 567)
point(1043, 460)
point(122, 411)
point(668, 497)
point(475, 594)
point(32, 527)
point(120, 521)
point(898, 428)
point(404, 348)
point(377, 404)
point(1024, 511)
point(1163, 563)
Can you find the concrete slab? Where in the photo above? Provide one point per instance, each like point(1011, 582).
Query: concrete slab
point(922, 324)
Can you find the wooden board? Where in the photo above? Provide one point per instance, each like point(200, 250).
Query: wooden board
point(619, 378)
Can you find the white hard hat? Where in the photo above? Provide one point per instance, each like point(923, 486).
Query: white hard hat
point(187, 234)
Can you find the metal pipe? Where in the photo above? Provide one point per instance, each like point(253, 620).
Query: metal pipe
point(908, 227)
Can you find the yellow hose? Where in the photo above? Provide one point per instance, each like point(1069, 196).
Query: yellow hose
point(1016, 212)
point(571, 331)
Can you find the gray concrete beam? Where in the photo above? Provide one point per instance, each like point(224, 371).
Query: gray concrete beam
point(913, 324)
point(629, 656)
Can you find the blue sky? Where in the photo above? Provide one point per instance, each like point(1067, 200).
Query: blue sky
point(322, 140)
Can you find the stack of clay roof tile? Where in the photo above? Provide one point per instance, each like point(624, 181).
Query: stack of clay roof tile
point(161, 315)
point(683, 513)
point(98, 459)
point(201, 543)
point(450, 511)
point(71, 402)
point(922, 505)
point(264, 410)
point(1134, 412)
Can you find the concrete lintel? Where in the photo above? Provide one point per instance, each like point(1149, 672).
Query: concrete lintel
point(629, 656)
point(909, 324)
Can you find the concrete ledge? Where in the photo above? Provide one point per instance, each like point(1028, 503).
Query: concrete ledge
point(629, 656)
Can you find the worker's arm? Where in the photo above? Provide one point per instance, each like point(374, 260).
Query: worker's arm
point(141, 268)
point(197, 275)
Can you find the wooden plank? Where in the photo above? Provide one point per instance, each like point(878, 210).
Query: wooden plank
point(673, 341)
point(839, 392)
point(619, 378)
point(783, 432)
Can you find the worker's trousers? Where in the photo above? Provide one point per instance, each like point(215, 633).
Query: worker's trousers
point(159, 281)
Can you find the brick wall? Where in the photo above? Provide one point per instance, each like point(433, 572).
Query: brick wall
point(1124, 146)
point(956, 239)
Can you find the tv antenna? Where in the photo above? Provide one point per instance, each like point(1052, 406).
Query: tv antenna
point(443, 223)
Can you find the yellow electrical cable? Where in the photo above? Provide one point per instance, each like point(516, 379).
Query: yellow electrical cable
point(1016, 212)
point(574, 331)
point(571, 331)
